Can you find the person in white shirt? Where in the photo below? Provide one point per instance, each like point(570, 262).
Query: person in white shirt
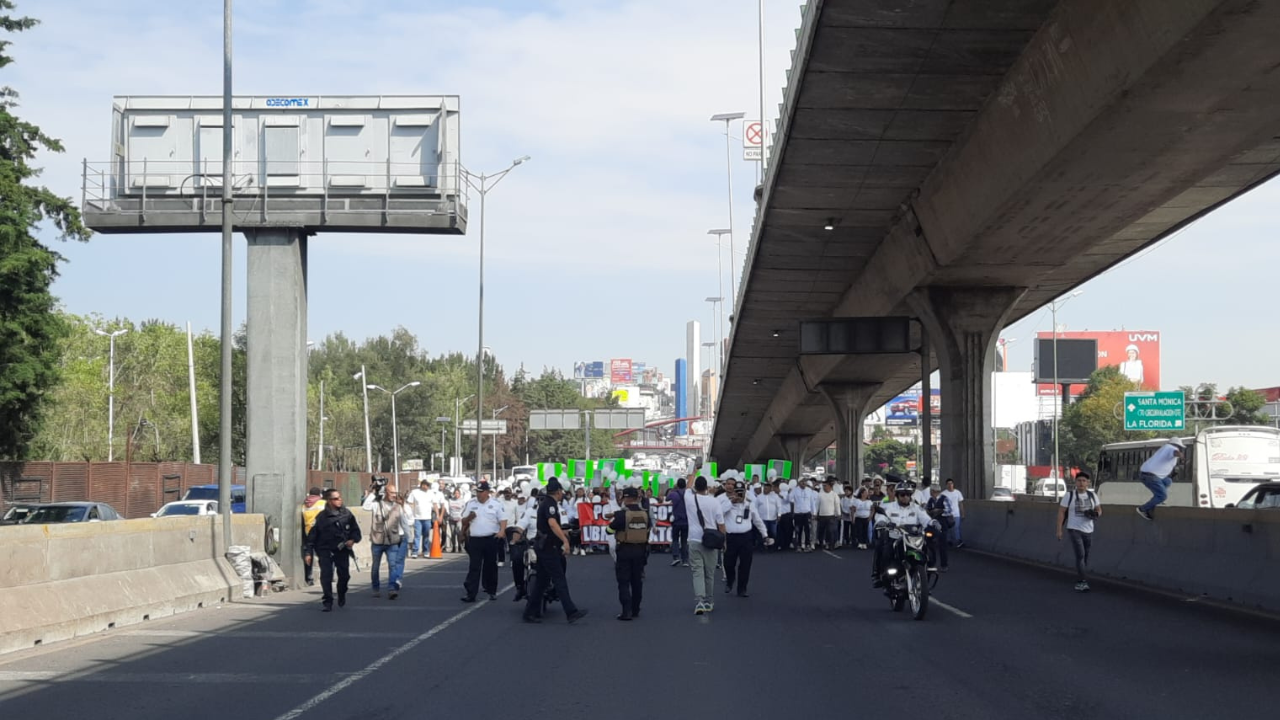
point(741, 522)
point(455, 508)
point(901, 512)
point(862, 508)
point(846, 516)
point(607, 508)
point(801, 512)
point(484, 522)
point(421, 505)
point(521, 534)
point(1076, 514)
point(956, 499)
point(511, 511)
point(704, 514)
point(769, 506)
point(1157, 474)
point(922, 494)
point(813, 515)
point(828, 507)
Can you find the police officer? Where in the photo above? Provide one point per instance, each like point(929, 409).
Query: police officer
point(741, 523)
point(901, 512)
point(552, 547)
point(484, 521)
point(334, 533)
point(630, 527)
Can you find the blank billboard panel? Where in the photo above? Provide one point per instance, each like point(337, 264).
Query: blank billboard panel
point(1077, 359)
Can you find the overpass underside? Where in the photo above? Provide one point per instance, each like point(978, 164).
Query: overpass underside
point(977, 158)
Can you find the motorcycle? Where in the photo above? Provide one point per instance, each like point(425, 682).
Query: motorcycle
point(906, 577)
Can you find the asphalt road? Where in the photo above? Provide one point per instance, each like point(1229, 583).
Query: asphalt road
point(813, 641)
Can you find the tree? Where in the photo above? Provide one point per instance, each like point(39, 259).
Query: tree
point(889, 455)
point(1091, 420)
point(30, 328)
point(1246, 406)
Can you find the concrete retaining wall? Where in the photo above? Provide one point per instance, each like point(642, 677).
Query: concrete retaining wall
point(1231, 556)
point(62, 581)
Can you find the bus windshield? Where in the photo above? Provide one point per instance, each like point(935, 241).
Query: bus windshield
point(1243, 457)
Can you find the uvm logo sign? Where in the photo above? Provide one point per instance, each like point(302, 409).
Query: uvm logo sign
point(288, 102)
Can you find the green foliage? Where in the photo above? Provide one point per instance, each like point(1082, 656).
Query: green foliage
point(889, 455)
point(551, 391)
point(30, 329)
point(1091, 421)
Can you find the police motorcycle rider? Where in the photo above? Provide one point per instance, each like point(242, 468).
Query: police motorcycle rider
point(903, 511)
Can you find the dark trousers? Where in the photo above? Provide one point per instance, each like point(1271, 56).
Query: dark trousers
point(551, 564)
point(883, 553)
point(828, 530)
point(846, 532)
point(803, 531)
point(483, 569)
point(517, 564)
point(786, 531)
point(629, 570)
point(329, 560)
point(861, 530)
point(939, 543)
point(739, 549)
point(502, 549)
point(453, 537)
point(308, 562)
point(680, 542)
point(1081, 543)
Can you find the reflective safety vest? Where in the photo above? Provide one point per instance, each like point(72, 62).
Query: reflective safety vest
point(637, 530)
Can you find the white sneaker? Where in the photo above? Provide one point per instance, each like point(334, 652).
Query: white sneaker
point(700, 608)
point(501, 564)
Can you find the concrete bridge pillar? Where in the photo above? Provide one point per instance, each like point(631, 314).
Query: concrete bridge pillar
point(795, 448)
point(963, 325)
point(851, 403)
point(276, 387)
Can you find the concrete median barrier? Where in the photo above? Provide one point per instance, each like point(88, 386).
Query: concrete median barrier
point(59, 582)
point(1231, 556)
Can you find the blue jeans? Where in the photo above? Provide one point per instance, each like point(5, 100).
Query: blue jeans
point(955, 531)
point(393, 568)
point(402, 551)
point(422, 536)
point(1159, 488)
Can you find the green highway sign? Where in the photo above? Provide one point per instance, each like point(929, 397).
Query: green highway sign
point(1155, 411)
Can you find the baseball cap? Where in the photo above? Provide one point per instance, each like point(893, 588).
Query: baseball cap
point(553, 485)
point(631, 493)
point(483, 486)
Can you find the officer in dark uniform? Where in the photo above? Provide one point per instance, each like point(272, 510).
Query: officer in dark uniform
point(630, 527)
point(552, 547)
point(332, 536)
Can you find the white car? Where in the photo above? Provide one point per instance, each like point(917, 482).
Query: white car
point(187, 507)
point(1001, 494)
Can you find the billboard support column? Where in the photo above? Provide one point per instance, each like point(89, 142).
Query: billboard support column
point(851, 404)
point(962, 326)
point(926, 405)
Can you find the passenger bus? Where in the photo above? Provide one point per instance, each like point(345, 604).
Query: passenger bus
point(1220, 464)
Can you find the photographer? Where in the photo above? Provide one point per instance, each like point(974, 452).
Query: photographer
point(384, 534)
point(332, 536)
point(1077, 511)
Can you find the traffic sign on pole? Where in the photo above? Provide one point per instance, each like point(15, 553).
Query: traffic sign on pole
point(752, 140)
point(1155, 410)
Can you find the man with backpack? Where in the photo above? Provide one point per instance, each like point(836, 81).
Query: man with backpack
point(1076, 513)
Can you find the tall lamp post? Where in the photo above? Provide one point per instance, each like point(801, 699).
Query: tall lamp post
point(727, 118)
point(444, 423)
point(495, 444)
point(1057, 389)
point(483, 184)
point(368, 439)
point(1002, 346)
point(395, 433)
point(716, 304)
point(720, 275)
point(111, 389)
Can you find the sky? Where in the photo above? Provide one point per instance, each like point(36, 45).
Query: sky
point(598, 247)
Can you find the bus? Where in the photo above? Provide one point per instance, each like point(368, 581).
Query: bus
point(1220, 464)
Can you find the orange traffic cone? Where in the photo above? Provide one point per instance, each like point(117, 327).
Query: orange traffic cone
point(436, 553)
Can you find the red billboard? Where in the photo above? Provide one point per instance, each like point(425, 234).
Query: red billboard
point(1135, 352)
point(620, 371)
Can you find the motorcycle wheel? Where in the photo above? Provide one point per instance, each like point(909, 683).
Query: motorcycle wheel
point(897, 600)
point(918, 593)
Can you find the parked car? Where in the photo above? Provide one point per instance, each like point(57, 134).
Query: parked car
point(1263, 497)
point(17, 513)
point(210, 492)
point(1001, 495)
point(187, 507)
point(71, 512)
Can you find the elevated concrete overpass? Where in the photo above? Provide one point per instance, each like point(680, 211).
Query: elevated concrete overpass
point(974, 159)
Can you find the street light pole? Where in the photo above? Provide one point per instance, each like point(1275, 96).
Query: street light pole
point(395, 432)
point(444, 423)
point(1057, 390)
point(225, 388)
point(111, 389)
point(320, 450)
point(368, 439)
point(483, 184)
point(728, 166)
point(716, 356)
point(457, 428)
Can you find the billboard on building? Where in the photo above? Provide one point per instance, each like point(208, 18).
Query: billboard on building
point(620, 370)
point(1135, 352)
point(588, 370)
point(905, 408)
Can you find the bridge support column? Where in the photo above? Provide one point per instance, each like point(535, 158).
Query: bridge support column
point(276, 417)
point(851, 402)
point(963, 325)
point(795, 449)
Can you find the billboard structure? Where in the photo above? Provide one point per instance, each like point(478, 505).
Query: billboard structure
point(1135, 352)
point(620, 371)
point(588, 370)
point(904, 410)
point(1065, 361)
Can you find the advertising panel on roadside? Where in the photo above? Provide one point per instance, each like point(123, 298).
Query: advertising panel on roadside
point(905, 408)
point(1135, 352)
point(588, 370)
point(620, 370)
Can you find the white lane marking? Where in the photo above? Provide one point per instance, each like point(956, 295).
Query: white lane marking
point(377, 664)
point(205, 678)
point(260, 634)
point(948, 608)
point(833, 554)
